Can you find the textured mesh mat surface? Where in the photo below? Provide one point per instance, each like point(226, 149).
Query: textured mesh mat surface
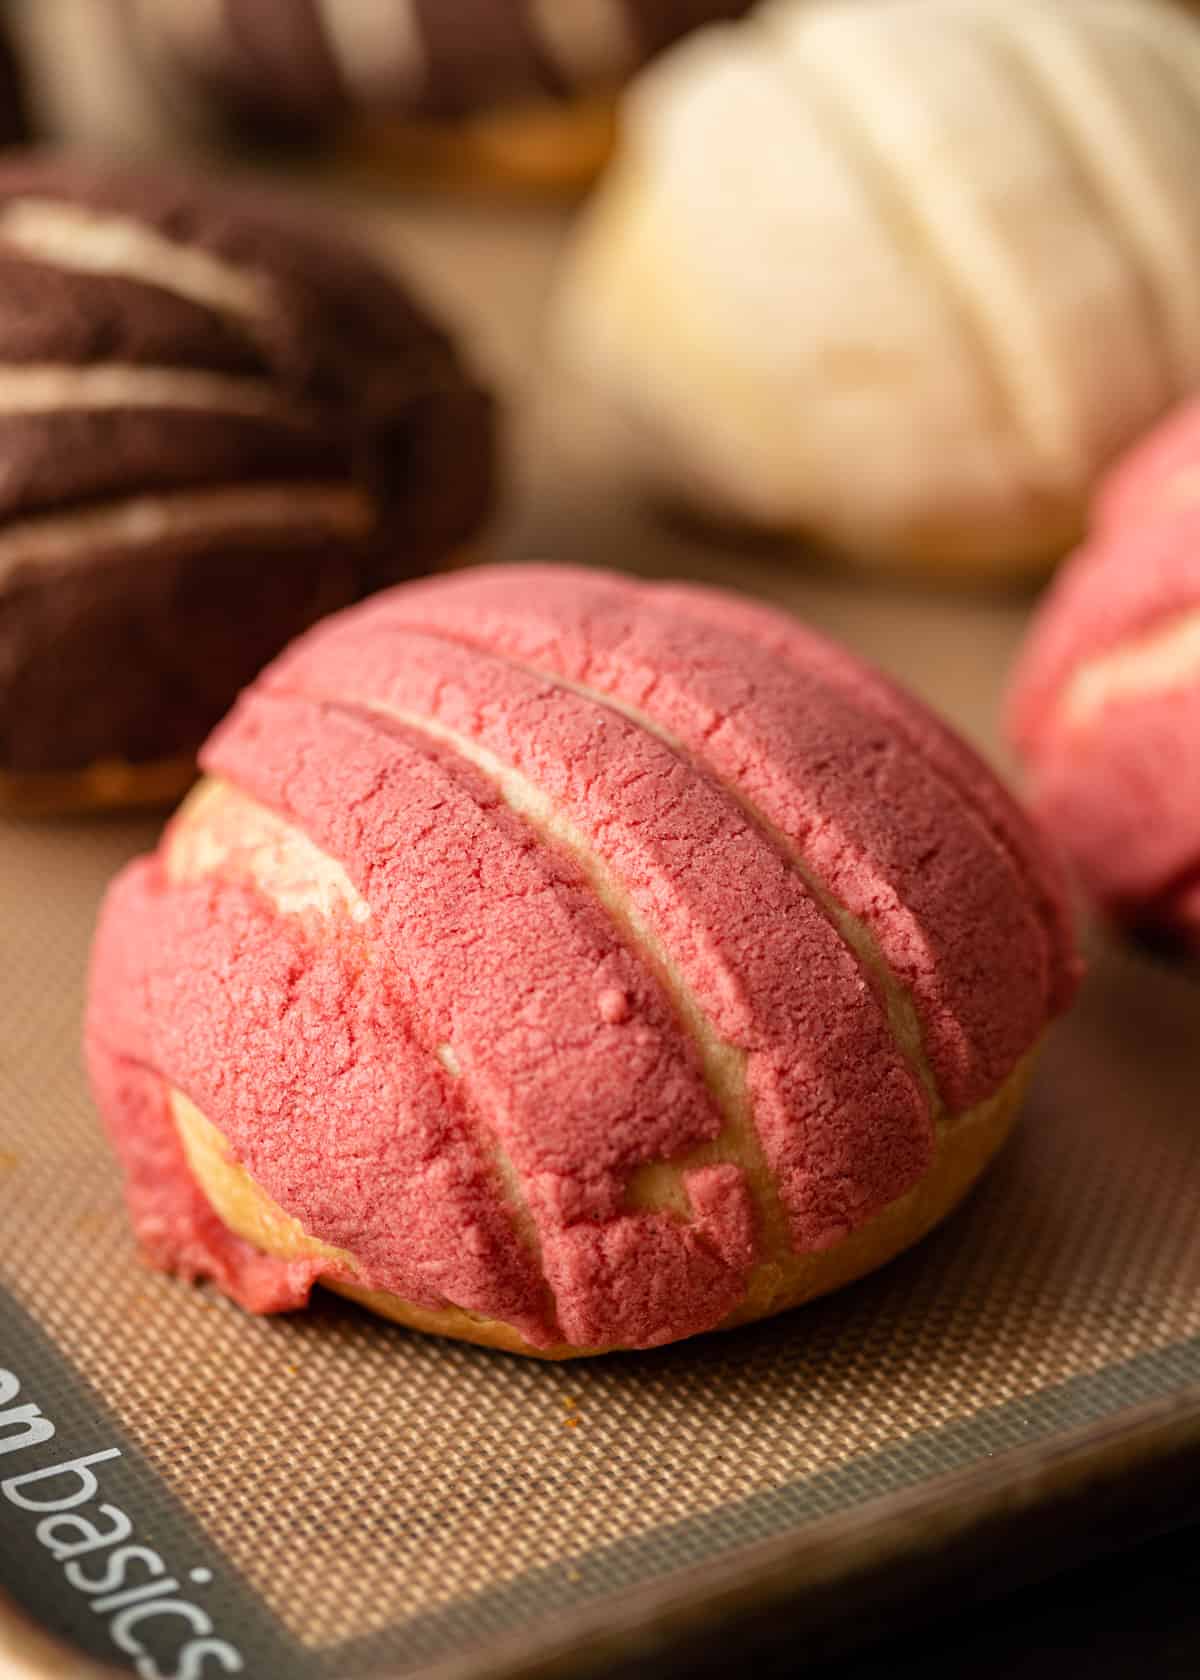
point(341, 1498)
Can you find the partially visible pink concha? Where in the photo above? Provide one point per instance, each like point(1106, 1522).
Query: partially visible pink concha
point(1105, 705)
point(573, 953)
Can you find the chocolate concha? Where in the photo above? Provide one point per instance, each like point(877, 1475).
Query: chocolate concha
point(219, 419)
point(309, 63)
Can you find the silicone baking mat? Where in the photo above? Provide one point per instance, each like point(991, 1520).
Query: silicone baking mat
point(332, 1497)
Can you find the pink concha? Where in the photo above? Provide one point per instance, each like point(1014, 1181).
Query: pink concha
point(1159, 475)
point(1104, 707)
point(677, 935)
point(892, 813)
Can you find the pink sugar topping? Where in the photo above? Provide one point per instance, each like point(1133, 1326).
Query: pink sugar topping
point(646, 871)
point(1116, 785)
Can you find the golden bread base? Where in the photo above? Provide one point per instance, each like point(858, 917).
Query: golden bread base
point(108, 785)
point(965, 1146)
point(538, 149)
point(979, 554)
point(959, 555)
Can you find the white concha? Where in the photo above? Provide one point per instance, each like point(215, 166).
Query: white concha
point(905, 274)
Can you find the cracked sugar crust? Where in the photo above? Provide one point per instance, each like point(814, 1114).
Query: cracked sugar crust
point(535, 851)
point(885, 814)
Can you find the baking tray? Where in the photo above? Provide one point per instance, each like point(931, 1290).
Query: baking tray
point(339, 1498)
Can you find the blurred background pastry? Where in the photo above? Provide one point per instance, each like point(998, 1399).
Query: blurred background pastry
point(904, 275)
point(14, 113)
point(219, 419)
point(1105, 705)
point(505, 93)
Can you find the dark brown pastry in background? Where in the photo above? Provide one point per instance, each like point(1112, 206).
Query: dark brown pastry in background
point(508, 92)
point(219, 419)
point(14, 111)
